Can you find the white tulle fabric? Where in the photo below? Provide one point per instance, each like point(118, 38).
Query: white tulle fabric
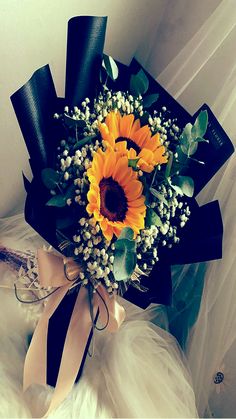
point(204, 70)
point(137, 372)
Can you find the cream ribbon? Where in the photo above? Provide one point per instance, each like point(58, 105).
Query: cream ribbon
point(51, 273)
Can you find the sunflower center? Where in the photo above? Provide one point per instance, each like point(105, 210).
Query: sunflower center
point(130, 144)
point(113, 200)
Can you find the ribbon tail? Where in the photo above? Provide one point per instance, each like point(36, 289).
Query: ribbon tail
point(35, 368)
point(74, 348)
point(111, 312)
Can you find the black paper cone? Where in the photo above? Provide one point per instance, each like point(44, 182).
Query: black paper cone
point(85, 42)
point(34, 105)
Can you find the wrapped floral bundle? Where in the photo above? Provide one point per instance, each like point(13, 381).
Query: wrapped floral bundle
point(115, 173)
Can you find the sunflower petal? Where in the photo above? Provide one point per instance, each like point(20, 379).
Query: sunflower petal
point(109, 164)
point(141, 136)
point(136, 126)
point(126, 123)
point(112, 122)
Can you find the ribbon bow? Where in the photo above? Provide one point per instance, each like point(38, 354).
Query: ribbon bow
point(56, 271)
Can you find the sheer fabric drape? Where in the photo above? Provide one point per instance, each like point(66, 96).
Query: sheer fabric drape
point(204, 70)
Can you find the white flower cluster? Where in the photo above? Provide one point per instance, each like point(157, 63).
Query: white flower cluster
point(166, 126)
point(95, 254)
point(125, 103)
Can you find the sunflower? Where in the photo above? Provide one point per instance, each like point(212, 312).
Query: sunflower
point(115, 196)
point(125, 134)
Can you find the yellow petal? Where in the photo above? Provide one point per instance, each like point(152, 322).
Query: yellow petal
point(133, 190)
point(112, 122)
point(126, 123)
point(97, 215)
point(109, 164)
point(93, 197)
point(135, 127)
point(108, 233)
point(121, 147)
point(141, 136)
point(153, 142)
point(90, 208)
point(136, 203)
point(145, 167)
point(103, 224)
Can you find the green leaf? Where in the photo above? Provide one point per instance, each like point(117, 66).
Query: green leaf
point(186, 136)
point(57, 201)
point(125, 259)
point(169, 164)
point(50, 178)
point(110, 66)
point(133, 163)
point(126, 233)
point(69, 193)
point(185, 183)
point(86, 140)
point(201, 140)
point(139, 83)
point(190, 148)
point(177, 189)
point(158, 195)
point(150, 99)
point(72, 123)
point(200, 125)
point(152, 218)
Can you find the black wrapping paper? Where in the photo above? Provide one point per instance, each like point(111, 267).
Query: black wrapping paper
point(85, 42)
point(34, 105)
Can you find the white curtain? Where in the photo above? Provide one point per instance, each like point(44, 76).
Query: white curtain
point(204, 70)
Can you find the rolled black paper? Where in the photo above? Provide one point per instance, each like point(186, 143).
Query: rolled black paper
point(34, 105)
point(85, 42)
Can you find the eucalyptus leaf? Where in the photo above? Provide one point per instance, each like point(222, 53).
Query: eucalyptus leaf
point(57, 201)
point(152, 218)
point(178, 190)
point(185, 183)
point(139, 83)
point(189, 149)
point(126, 233)
point(125, 259)
point(69, 193)
point(86, 140)
point(200, 125)
point(110, 66)
point(50, 178)
point(158, 195)
point(169, 164)
point(203, 140)
point(150, 99)
point(186, 136)
point(73, 123)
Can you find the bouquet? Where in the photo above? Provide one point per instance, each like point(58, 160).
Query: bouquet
point(116, 167)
